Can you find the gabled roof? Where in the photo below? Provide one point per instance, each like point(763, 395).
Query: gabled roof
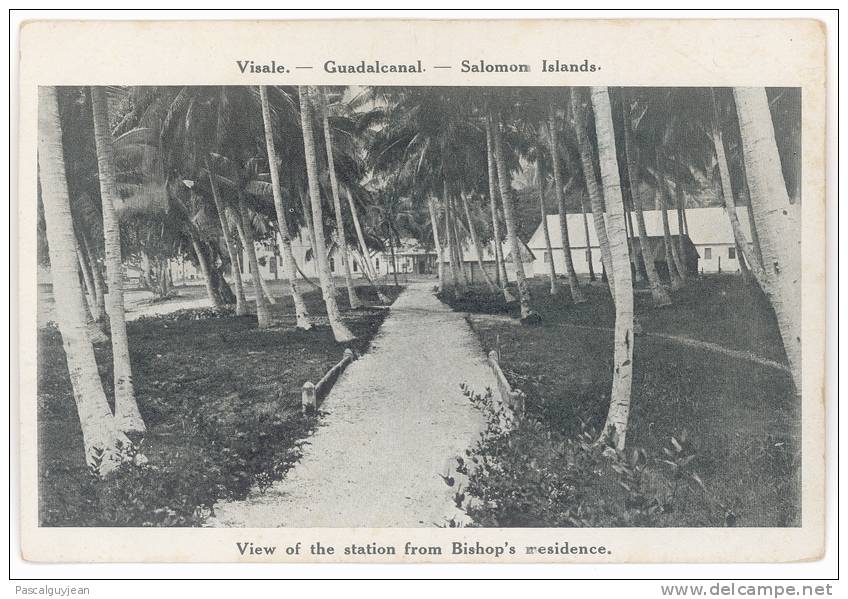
point(469, 252)
point(706, 226)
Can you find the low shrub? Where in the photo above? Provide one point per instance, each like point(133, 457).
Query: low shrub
point(530, 475)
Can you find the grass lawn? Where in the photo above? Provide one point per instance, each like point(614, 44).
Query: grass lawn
point(742, 420)
point(221, 400)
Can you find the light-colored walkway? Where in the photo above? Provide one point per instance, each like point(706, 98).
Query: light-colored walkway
point(395, 421)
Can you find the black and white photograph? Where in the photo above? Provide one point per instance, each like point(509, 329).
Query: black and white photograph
point(313, 306)
point(318, 295)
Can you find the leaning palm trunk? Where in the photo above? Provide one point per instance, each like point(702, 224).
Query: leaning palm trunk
point(681, 231)
point(95, 333)
point(340, 330)
point(450, 233)
point(780, 234)
point(205, 270)
point(540, 183)
point(337, 205)
point(500, 267)
point(596, 198)
point(573, 284)
point(747, 259)
point(241, 303)
point(460, 244)
point(103, 442)
point(477, 246)
point(245, 231)
point(658, 293)
point(301, 314)
point(670, 261)
point(370, 273)
point(589, 258)
point(127, 416)
point(87, 280)
point(99, 311)
point(434, 223)
point(266, 291)
point(615, 427)
point(511, 226)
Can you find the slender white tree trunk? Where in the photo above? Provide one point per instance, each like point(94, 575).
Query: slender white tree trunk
point(99, 311)
point(540, 184)
point(241, 303)
point(340, 330)
point(658, 293)
point(780, 235)
point(670, 260)
point(500, 267)
point(615, 427)
point(434, 223)
point(370, 273)
point(511, 226)
point(589, 258)
point(596, 198)
point(127, 415)
point(203, 263)
point(478, 248)
point(573, 284)
point(337, 204)
point(263, 316)
point(103, 443)
point(301, 313)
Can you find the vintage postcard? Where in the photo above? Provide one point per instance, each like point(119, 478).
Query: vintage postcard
point(422, 291)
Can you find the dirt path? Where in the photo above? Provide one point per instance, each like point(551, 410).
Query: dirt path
point(396, 421)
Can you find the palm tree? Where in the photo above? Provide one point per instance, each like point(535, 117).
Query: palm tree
point(509, 216)
point(340, 331)
point(241, 303)
point(127, 416)
point(576, 293)
point(301, 313)
point(341, 242)
point(540, 183)
point(658, 293)
point(596, 197)
point(432, 208)
point(780, 231)
point(615, 427)
point(500, 266)
point(748, 259)
point(103, 442)
point(245, 231)
point(476, 241)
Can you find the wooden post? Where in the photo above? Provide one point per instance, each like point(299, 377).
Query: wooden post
point(348, 356)
point(308, 401)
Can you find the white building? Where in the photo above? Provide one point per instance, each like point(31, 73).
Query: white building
point(708, 229)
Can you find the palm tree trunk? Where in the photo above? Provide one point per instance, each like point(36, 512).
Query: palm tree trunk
point(241, 303)
point(340, 331)
point(99, 312)
point(589, 258)
point(87, 280)
point(434, 223)
point(500, 267)
point(203, 263)
point(596, 198)
point(266, 291)
point(289, 264)
point(394, 260)
point(527, 313)
point(746, 259)
point(245, 231)
point(780, 236)
point(337, 205)
point(127, 416)
point(307, 218)
point(573, 284)
point(615, 427)
point(670, 260)
point(370, 273)
point(658, 293)
point(681, 247)
point(459, 246)
point(103, 442)
point(540, 184)
point(450, 233)
point(477, 246)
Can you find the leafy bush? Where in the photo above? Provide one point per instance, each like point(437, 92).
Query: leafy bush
point(524, 473)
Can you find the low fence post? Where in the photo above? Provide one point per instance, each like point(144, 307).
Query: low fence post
point(308, 400)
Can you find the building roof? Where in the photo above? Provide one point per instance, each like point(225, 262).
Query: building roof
point(706, 226)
